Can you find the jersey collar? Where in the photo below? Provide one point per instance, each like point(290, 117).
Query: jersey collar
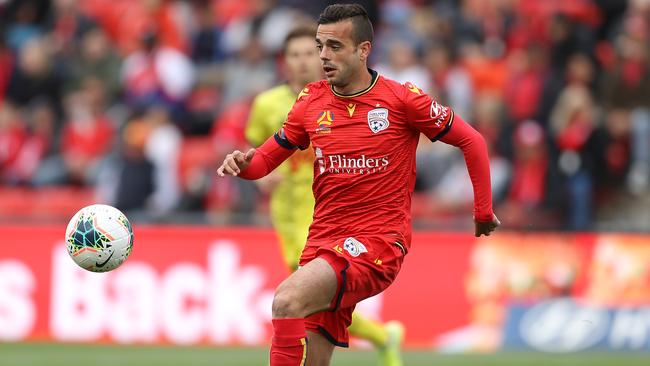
point(375, 77)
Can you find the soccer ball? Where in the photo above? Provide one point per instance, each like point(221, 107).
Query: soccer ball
point(99, 238)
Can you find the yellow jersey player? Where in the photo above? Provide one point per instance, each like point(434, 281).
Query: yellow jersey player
point(292, 201)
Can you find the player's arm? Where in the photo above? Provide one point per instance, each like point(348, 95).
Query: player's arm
point(257, 163)
point(472, 144)
point(439, 122)
point(258, 130)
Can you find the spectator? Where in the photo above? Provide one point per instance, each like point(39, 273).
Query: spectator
point(25, 24)
point(134, 172)
point(6, 67)
point(36, 76)
point(265, 28)
point(127, 21)
point(95, 59)
point(403, 66)
point(451, 82)
point(625, 87)
point(143, 177)
point(573, 120)
point(524, 85)
point(251, 72)
point(527, 190)
point(206, 41)
point(235, 200)
point(13, 134)
point(67, 25)
point(23, 142)
point(85, 141)
point(156, 74)
point(610, 145)
point(162, 149)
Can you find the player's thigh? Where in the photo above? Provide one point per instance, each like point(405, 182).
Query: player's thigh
point(306, 291)
point(319, 350)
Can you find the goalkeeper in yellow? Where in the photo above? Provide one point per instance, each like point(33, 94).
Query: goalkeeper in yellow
point(292, 201)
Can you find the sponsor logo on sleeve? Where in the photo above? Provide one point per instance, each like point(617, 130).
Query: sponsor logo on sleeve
point(438, 113)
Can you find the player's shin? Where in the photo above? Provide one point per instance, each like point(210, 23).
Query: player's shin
point(289, 343)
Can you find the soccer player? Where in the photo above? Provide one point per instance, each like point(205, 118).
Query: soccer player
point(364, 130)
point(292, 202)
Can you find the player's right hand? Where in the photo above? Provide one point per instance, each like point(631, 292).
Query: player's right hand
point(235, 162)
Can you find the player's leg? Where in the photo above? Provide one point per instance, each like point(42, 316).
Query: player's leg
point(368, 330)
point(319, 350)
point(291, 214)
point(386, 338)
point(289, 250)
point(306, 291)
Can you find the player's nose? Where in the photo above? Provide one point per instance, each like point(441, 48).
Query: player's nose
point(324, 54)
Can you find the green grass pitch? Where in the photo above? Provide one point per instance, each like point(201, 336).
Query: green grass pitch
point(42, 354)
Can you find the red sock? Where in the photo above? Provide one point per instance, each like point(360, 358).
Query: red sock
point(289, 343)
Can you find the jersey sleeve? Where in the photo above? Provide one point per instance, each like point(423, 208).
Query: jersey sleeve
point(425, 114)
point(257, 130)
point(293, 135)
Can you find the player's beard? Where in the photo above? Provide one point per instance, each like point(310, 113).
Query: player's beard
point(340, 79)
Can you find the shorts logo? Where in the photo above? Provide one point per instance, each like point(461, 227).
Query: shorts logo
point(378, 119)
point(354, 247)
point(438, 112)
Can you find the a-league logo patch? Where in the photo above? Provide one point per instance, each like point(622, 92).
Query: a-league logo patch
point(354, 247)
point(378, 119)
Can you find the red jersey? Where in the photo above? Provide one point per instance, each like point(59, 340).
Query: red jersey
point(365, 144)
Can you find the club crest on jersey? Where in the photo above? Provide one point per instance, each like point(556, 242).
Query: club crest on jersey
point(354, 247)
point(378, 119)
point(324, 121)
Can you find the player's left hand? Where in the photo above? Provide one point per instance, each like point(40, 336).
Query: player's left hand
point(487, 227)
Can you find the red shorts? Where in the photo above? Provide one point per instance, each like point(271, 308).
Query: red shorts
point(364, 266)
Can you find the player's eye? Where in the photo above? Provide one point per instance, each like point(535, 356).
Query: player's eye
point(319, 47)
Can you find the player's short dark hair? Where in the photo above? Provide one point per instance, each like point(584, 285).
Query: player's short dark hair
point(361, 25)
point(299, 32)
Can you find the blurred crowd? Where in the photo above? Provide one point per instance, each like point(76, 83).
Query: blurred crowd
point(138, 100)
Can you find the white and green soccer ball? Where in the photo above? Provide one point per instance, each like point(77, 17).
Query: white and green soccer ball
point(99, 238)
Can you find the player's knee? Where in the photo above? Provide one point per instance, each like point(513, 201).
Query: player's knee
point(287, 304)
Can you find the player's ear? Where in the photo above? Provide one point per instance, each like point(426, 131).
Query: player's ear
point(364, 50)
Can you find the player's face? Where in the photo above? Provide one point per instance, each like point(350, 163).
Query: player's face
point(301, 60)
point(340, 57)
